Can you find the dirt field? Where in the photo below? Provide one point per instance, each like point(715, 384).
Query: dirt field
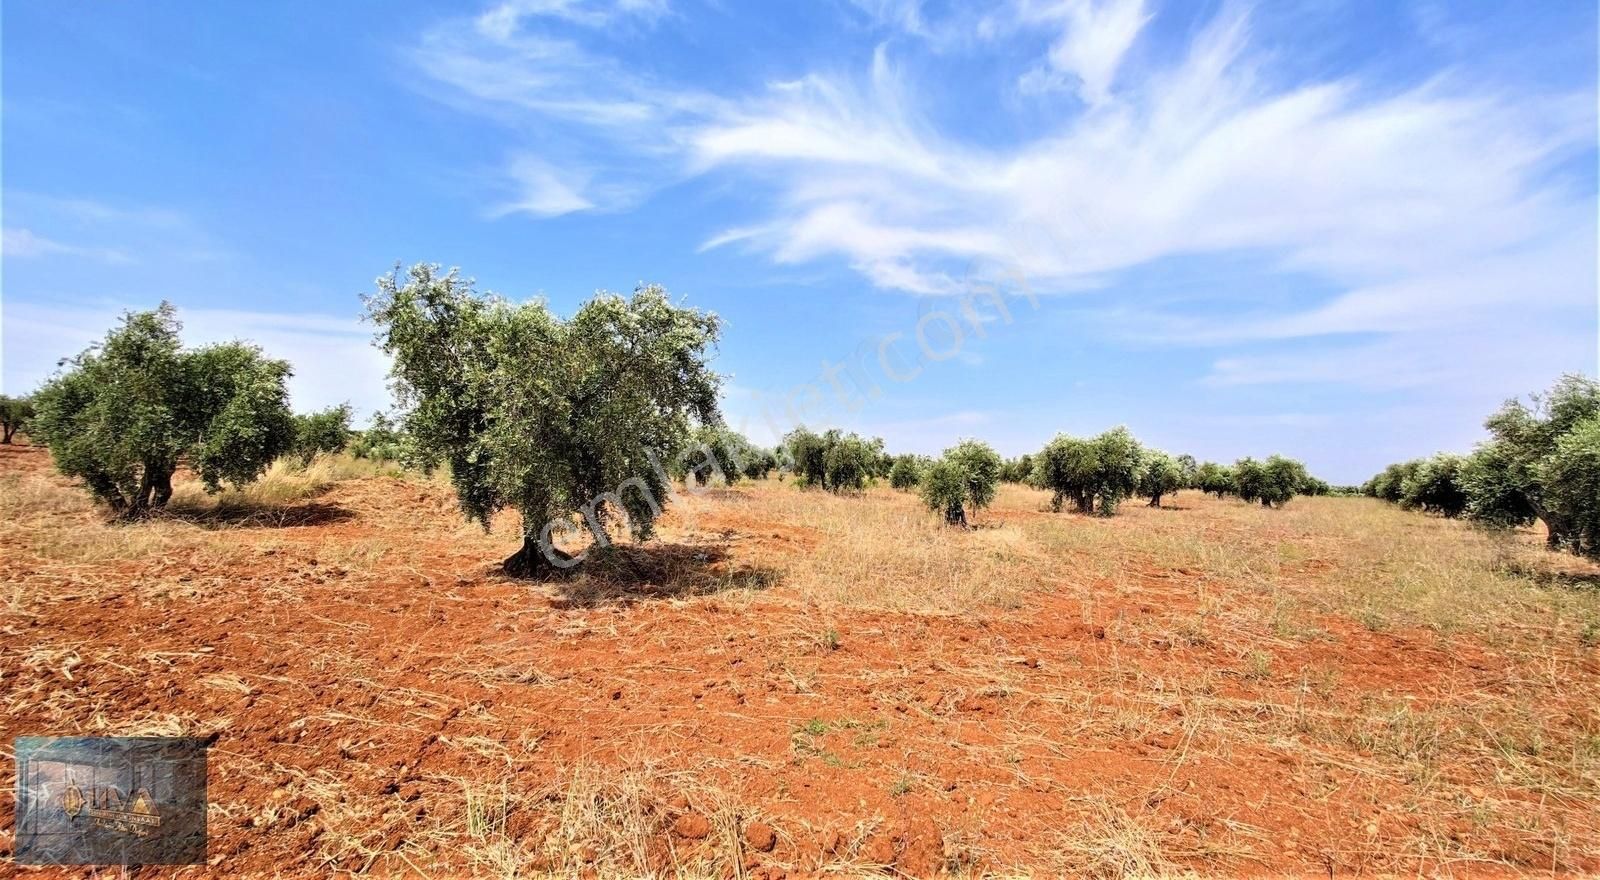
point(791, 683)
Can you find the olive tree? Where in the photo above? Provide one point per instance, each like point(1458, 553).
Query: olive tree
point(14, 414)
point(1434, 485)
point(1097, 474)
point(1538, 465)
point(382, 441)
point(553, 417)
point(121, 415)
point(906, 472)
point(1215, 479)
point(1161, 475)
point(760, 463)
point(966, 477)
point(326, 430)
point(1272, 482)
point(834, 461)
point(718, 452)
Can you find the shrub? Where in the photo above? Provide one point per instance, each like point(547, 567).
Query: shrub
point(14, 415)
point(1390, 484)
point(1285, 478)
point(966, 477)
point(849, 462)
point(720, 452)
point(1160, 476)
point(125, 412)
point(324, 431)
point(546, 415)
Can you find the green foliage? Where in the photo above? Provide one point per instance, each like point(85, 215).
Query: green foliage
point(383, 441)
point(1272, 482)
point(1215, 479)
point(324, 431)
point(1434, 485)
point(1389, 485)
point(1188, 471)
point(760, 463)
point(1096, 474)
point(1315, 487)
point(1017, 470)
point(1160, 476)
point(966, 477)
point(834, 461)
point(14, 415)
point(123, 413)
point(717, 451)
point(1570, 476)
point(944, 491)
point(546, 415)
point(906, 473)
point(849, 462)
point(1541, 463)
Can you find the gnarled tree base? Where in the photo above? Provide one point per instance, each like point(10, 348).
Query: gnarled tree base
point(531, 562)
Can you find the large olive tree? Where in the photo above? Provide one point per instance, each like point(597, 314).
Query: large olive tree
point(555, 418)
point(122, 414)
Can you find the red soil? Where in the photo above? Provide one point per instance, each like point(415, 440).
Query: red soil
point(939, 743)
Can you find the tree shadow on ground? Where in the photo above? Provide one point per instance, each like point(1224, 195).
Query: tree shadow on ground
point(260, 516)
point(1555, 578)
point(628, 574)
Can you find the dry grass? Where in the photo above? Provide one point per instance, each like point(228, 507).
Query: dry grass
point(841, 639)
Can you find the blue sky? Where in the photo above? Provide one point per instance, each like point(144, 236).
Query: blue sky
point(1339, 230)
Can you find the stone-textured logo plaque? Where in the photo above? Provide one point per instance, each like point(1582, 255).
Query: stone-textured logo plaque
point(111, 800)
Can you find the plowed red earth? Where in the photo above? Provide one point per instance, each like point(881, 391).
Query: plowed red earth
point(364, 669)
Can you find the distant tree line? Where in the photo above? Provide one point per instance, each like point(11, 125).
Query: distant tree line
point(597, 417)
point(1541, 463)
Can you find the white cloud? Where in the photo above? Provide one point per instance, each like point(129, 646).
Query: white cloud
point(542, 192)
point(1096, 35)
point(20, 243)
point(1432, 205)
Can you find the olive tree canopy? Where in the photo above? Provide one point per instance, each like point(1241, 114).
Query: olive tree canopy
point(123, 413)
point(551, 417)
point(1541, 463)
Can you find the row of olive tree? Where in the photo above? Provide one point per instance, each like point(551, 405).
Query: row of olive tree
point(1098, 473)
point(835, 461)
point(124, 414)
point(1542, 462)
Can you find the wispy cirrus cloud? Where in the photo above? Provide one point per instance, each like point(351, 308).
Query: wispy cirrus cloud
point(1426, 206)
point(20, 243)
